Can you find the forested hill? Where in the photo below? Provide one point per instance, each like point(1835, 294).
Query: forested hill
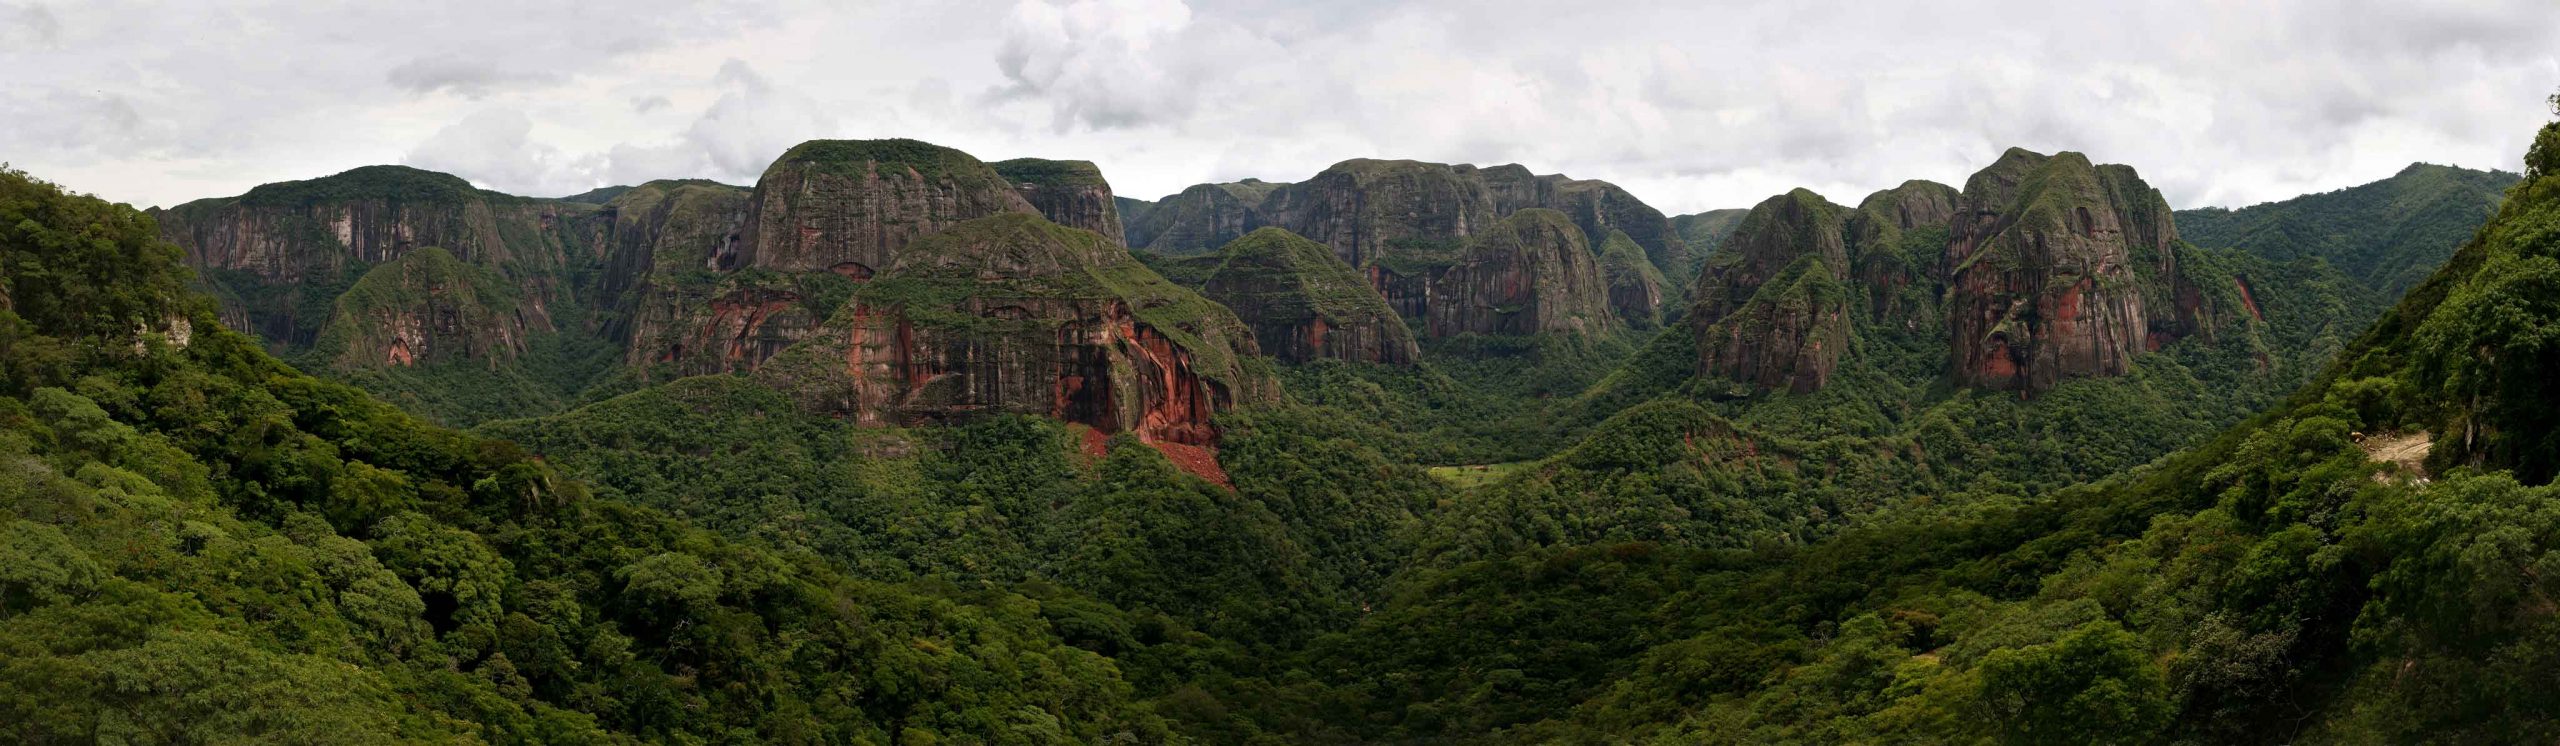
point(1893, 473)
point(2389, 234)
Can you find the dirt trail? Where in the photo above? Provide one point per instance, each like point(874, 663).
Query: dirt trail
point(2409, 450)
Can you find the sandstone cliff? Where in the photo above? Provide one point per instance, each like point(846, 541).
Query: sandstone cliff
point(1598, 207)
point(277, 256)
point(2041, 270)
point(1367, 208)
point(1070, 193)
point(1304, 304)
point(1771, 307)
point(1531, 273)
point(426, 307)
point(676, 308)
point(848, 206)
point(1012, 313)
point(1636, 287)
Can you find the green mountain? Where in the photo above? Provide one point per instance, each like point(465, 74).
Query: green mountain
point(2389, 234)
point(899, 446)
point(204, 545)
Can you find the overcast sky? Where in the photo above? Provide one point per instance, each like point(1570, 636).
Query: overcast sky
point(1692, 105)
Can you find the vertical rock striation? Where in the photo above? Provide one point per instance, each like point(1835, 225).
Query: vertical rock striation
point(1070, 193)
point(2041, 270)
point(1013, 313)
point(1771, 307)
point(847, 206)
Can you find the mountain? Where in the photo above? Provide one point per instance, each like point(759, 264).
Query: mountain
point(2042, 270)
point(205, 545)
point(2387, 234)
point(1013, 313)
point(844, 206)
point(1200, 219)
point(1706, 232)
point(1303, 303)
point(1070, 193)
point(279, 255)
point(1638, 291)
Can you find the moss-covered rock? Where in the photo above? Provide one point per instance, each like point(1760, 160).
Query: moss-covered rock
point(1303, 303)
point(1013, 313)
point(1636, 288)
point(847, 206)
point(2041, 270)
point(1070, 193)
point(278, 256)
point(427, 307)
point(1531, 273)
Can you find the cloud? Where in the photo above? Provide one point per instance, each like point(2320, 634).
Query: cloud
point(495, 148)
point(1691, 105)
point(469, 77)
point(28, 25)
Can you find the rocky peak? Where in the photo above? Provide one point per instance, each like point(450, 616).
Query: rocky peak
point(1770, 307)
point(1013, 313)
point(1305, 304)
point(1914, 204)
point(1069, 193)
point(847, 206)
point(2041, 270)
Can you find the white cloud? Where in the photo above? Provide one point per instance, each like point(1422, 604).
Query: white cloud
point(1691, 105)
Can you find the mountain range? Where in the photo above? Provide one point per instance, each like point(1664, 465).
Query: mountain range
point(898, 445)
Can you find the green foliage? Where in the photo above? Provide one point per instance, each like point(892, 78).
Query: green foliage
point(2388, 235)
point(205, 546)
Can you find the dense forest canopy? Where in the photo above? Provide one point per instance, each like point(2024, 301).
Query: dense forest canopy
point(2314, 506)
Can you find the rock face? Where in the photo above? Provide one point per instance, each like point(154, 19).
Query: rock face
point(1013, 313)
point(676, 309)
point(1070, 193)
point(1597, 207)
point(848, 206)
point(426, 307)
point(2042, 274)
point(1771, 307)
point(1415, 228)
point(1914, 204)
point(1201, 218)
point(1304, 304)
point(1530, 273)
point(1366, 209)
point(277, 256)
point(1636, 288)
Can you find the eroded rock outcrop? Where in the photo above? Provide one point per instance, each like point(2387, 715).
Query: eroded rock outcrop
point(1771, 307)
point(2042, 272)
point(427, 307)
point(278, 255)
point(1200, 219)
point(1304, 304)
point(1531, 273)
point(1366, 208)
point(847, 206)
point(1013, 313)
point(1069, 193)
point(1598, 207)
point(1636, 288)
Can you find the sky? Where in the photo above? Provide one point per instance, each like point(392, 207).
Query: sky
point(1691, 105)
